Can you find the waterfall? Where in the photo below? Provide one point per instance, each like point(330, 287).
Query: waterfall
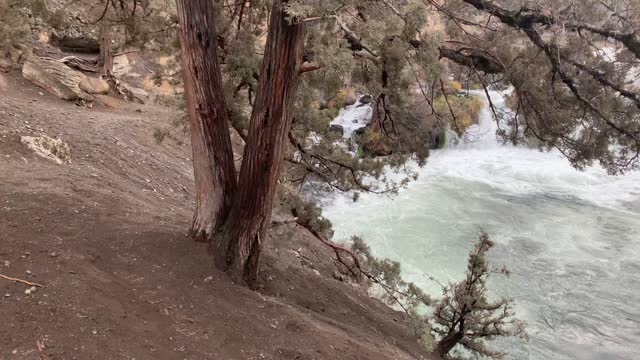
point(570, 238)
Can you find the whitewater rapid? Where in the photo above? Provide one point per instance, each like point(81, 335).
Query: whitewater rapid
point(570, 238)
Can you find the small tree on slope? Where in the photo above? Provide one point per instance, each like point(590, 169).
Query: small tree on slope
point(463, 318)
point(466, 317)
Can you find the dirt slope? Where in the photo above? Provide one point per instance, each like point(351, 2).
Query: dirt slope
point(106, 236)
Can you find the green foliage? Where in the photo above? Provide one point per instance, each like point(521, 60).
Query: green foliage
point(574, 92)
point(307, 212)
point(374, 144)
point(378, 58)
point(466, 317)
point(151, 27)
point(384, 278)
point(424, 332)
point(465, 313)
point(461, 110)
point(241, 62)
point(298, 10)
point(38, 9)
point(440, 139)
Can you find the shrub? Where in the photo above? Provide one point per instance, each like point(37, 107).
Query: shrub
point(455, 86)
point(374, 143)
point(461, 110)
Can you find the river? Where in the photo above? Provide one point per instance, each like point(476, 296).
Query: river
point(571, 240)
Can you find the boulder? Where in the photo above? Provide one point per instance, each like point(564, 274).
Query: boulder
point(93, 85)
point(337, 129)
point(55, 77)
point(366, 99)
point(138, 95)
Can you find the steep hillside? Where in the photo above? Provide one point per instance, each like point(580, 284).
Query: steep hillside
point(105, 236)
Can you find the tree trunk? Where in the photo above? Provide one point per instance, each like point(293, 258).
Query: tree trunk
point(448, 342)
point(105, 61)
point(264, 150)
point(213, 166)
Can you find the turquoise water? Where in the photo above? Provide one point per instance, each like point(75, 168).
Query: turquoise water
point(571, 240)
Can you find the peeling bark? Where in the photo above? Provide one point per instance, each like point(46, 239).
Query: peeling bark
point(213, 167)
point(270, 123)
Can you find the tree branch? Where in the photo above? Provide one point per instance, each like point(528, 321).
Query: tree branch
point(309, 66)
point(526, 18)
point(473, 58)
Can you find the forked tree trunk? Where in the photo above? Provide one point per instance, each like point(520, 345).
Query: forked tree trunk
point(213, 166)
point(270, 122)
point(247, 206)
point(105, 61)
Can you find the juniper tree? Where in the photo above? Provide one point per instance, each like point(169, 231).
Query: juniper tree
point(466, 317)
point(310, 47)
point(572, 65)
point(275, 71)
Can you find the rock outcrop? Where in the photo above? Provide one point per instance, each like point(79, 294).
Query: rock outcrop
point(337, 129)
point(94, 86)
point(55, 77)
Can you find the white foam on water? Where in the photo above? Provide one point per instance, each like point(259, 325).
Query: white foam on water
point(353, 117)
point(571, 239)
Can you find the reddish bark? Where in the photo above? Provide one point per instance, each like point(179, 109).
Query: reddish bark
point(264, 150)
point(235, 216)
point(213, 167)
